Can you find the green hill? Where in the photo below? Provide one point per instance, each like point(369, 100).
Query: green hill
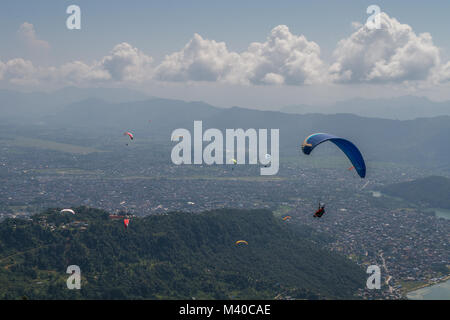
point(433, 191)
point(173, 256)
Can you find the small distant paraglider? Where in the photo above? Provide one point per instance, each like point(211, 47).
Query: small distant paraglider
point(129, 134)
point(67, 211)
point(287, 218)
point(268, 157)
point(234, 162)
point(241, 241)
point(320, 211)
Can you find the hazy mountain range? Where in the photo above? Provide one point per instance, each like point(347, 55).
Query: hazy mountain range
point(401, 108)
point(26, 105)
point(422, 141)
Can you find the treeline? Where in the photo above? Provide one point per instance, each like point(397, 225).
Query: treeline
point(173, 256)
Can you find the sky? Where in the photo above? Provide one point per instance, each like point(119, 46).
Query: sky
point(253, 53)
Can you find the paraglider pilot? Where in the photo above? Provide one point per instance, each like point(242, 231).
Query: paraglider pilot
point(320, 211)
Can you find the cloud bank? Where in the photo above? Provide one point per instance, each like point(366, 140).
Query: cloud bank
point(283, 59)
point(392, 54)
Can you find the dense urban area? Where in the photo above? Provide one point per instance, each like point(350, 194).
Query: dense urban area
point(409, 243)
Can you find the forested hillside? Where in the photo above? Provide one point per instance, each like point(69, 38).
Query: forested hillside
point(434, 191)
point(173, 256)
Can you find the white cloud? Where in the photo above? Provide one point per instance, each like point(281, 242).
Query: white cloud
point(28, 35)
point(78, 72)
point(200, 60)
point(441, 74)
point(19, 71)
point(283, 59)
point(273, 78)
point(22, 72)
point(393, 53)
point(126, 63)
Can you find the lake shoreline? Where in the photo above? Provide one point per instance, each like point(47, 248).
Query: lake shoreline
point(423, 286)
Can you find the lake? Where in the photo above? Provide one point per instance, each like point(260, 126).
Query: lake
point(438, 212)
point(439, 291)
point(442, 213)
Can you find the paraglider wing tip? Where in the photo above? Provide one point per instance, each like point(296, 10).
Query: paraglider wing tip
point(306, 149)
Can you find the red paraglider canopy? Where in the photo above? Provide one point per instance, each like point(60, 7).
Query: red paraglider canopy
point(129, 134)
point(126, 222)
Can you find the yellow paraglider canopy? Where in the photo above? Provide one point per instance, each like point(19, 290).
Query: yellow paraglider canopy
point(241, 241)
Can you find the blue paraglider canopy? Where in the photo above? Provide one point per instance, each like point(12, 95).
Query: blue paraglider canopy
point(350, 150)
